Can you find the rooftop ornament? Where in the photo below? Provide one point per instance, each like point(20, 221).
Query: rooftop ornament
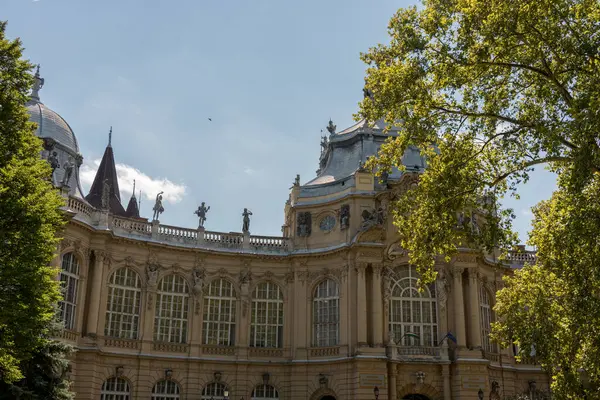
point(201, 213)
point(331, 127)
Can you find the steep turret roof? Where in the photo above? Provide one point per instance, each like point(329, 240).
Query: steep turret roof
point(106, 176)
point(133, 211)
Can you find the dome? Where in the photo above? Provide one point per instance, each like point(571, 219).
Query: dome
point(51, 125)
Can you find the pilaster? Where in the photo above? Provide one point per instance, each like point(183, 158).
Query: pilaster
point(475, 324)
point(377, 306)
point(459, 311)
point(93, 308)
point(361, 303)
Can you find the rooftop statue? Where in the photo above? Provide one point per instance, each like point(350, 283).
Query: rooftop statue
point(158, 207)
point(38, 83)
point(68, 166)
point(331, 127)
point(246, 222)
point(53, 161)
point(297, 180)
point(201, 213)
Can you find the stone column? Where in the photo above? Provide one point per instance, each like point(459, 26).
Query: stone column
point(244, 324)
point(459, 311)
point(377, 306)
point(446, 378)
point(96, 284)
point(392, 376)
point(361, 304)
point(475, 324)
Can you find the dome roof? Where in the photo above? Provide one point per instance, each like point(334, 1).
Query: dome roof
point(51, 125)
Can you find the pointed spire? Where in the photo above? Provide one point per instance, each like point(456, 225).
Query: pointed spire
point(107, 172)
point(110, 137)
point(38, 83)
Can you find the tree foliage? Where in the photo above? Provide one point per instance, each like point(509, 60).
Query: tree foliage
point(488, 89)
point(30, 219)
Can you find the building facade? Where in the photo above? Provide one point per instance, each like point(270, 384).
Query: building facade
point(329, 310)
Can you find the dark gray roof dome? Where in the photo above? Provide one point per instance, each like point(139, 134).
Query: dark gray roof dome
point(50, 123)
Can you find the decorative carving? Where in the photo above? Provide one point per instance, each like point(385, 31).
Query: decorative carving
point(371, 218)
point(245, 276)
point(217, 376)
point(152, 258)
point(201, 213)
point(303, 276)
point(119, 370)
point(395, 251)
point(129, 261)
point(331, 127)
point(304, 224)
point(158, 206)
point(297, 180)
point(199, 275)
point(222, 273)
point(150, 299)
point(441, 288)
point(152, 272)
point(323, 380)
point(377, 270)
point(327, 223)
point(495, 392)
point(345, 216)
point(375, 234)
point(268, 274)
point(246, 221)
point(420, 375)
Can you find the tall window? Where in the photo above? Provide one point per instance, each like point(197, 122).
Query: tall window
point(485, 307)
point(165, 390)
point(219, 313)
point(172, 304)
point(123, 305)
point(413, 315)
point(264, 392)
point(115, 389)
point(266, 328)
point(69, 279)
point(213, 391)
point(326, 314)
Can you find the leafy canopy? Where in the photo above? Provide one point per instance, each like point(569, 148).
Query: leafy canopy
point(30, 219)
point(488, 89)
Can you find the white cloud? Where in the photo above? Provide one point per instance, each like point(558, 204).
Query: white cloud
point(173, 192)
point(248, 171)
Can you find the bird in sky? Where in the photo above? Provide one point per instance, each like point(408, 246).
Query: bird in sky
point(210, 119)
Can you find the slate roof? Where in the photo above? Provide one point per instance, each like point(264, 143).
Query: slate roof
point(107, 172)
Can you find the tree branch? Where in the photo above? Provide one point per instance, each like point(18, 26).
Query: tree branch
point(505, 175)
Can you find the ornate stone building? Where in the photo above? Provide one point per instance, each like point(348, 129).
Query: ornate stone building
point(329, 310)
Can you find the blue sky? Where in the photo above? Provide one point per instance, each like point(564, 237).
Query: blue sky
point(269, 73)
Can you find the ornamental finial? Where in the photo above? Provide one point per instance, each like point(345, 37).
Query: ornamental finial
point(38, 83)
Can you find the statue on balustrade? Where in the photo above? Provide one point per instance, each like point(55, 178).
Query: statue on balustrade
point(201, 213)
point(53, 161)
point(246, 222)
point(158, 207)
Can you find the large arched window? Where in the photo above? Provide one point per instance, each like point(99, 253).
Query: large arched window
point(214, 391)
point(219, 313)
point(165, 390)
point(266, 328)
point(326, 313)
point(413, 315)
point(265, 392)
point(123, 304)
point(115, 389)
point(69, 280)
point(485, 306)
point(171, 315)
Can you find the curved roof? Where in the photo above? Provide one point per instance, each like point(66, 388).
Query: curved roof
point(51, 125)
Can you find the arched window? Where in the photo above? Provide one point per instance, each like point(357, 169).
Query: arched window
point(213, 391)
point(123, 304)
point(115, 389)
point(266, 328)
point(485, 306)
point(171, 315)
point(413, 315)
point(264, 392)
point(326, 313)
point(69, 279)
point(165, 390)
point(219, 313)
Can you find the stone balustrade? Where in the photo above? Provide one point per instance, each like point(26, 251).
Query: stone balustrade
point(79, 206)
point(520, 257)
point(417, 353)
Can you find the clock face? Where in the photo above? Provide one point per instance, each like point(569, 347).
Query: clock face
point(327, 224)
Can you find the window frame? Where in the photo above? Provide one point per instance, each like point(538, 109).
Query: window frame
point(214, 394)
point(170, 302)
point(269, 306)
point(164, 395)
point(69, 283)
point(122, 292)
point(486, 317)
point(265, 388)
point(321, 324)
point(219, 303)
point(115, 394)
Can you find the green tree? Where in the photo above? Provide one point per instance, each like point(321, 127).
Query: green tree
point(489, 89)
point(45, 373)
point(29, 221)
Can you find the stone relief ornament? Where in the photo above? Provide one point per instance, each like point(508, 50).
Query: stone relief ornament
point(395, 251)
point(327, 224)
point(441, 288)
point(198, 275)
point(304, 227)
point(371, 218)
point(152, 272)
point(245, 276)
point(345, 216)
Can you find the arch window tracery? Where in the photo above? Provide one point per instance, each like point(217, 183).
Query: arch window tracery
point(165, 390)
point(485, 307)
point(412, 314)
point(219, 313)
point(69, 282)
point(265, 392)
point(266, 329)
point(123, 304)
point(326, 313)
point(214, 391)
point(115, 388)
point(171, 311)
